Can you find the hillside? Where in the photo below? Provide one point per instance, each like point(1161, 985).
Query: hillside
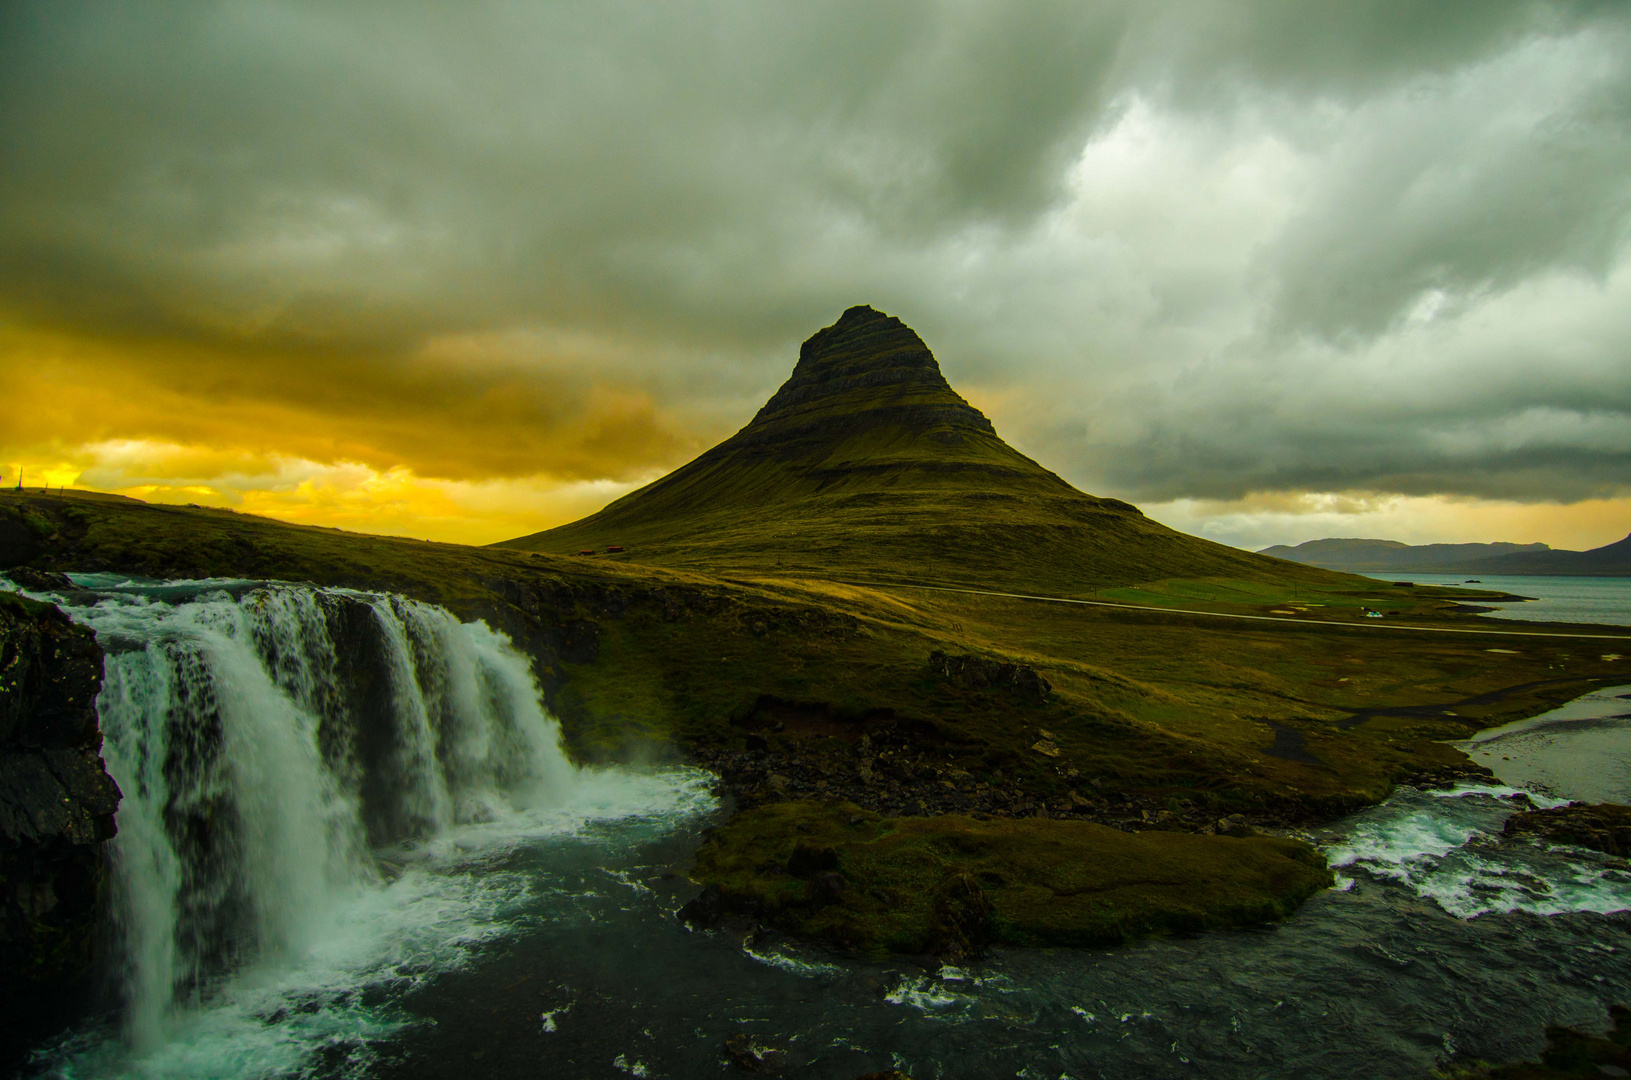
point(940, 722)
point(1393, 557)
point(867, 465)
point(1610, 560)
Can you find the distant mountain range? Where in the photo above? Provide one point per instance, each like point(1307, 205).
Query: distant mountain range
point(1393, 557)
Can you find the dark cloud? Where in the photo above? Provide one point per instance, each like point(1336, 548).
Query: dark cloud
point(475, 233)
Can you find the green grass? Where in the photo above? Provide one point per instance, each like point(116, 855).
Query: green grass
point(773, 568)
point(1164, 704)
point(645, 662)
point(1043, 882)
point(867, 466)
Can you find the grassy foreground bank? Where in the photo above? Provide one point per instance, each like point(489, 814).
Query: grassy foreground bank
point(950, 885)
point(1120, 736)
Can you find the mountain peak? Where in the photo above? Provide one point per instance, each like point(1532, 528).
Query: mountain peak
point(866, 461)
point(865, 361)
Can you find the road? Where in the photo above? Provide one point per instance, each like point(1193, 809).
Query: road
point(1372, 624)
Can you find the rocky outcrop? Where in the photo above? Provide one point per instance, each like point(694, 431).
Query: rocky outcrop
point(1604, 827)
point(56, 808)
point(890, 770)
point(978, 673)
point(21, 535)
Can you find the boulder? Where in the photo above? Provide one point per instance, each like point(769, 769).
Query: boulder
point(38, 580)
point(978, 673)
point(961, 924)
point(808, 860)
point(1604, 827)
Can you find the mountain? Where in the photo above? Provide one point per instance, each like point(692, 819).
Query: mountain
point(1610, 560)
point(1392, 557)
point(866, 464)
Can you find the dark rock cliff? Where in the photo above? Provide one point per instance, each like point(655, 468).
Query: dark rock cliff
point(56, 809)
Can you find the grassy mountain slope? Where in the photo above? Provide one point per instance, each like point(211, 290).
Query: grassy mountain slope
point(1610, 560)
point(867, 465)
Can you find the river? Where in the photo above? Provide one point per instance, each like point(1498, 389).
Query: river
point(493, 912)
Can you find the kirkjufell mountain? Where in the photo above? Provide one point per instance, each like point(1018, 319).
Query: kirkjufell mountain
point(867, 465)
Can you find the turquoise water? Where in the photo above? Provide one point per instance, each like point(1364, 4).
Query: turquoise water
point(1604, 600)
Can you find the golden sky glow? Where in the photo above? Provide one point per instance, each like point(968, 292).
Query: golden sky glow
point(466, 271)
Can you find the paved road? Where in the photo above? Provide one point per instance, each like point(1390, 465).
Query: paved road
point(1370, 624)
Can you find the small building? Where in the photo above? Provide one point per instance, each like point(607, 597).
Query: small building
point(615, 549)
point(586, 551)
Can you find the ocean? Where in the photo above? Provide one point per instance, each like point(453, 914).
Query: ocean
point(1603, 600)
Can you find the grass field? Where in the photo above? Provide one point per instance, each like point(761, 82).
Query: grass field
point(1179, 714)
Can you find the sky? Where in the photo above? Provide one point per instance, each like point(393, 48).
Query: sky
point(1271, 270)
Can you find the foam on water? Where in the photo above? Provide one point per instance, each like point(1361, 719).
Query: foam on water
point(1443, 846)
point(783, 960)
point(926, 993)
point(321, 789)
point(564, 870)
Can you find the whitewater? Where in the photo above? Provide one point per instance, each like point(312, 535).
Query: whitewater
point(351, 846)
point(318, 784)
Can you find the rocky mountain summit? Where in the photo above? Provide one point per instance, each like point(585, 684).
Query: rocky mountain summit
point(867, 464)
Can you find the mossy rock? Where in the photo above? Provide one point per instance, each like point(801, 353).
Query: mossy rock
point(951, 884)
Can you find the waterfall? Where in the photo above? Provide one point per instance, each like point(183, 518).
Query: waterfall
point(283, 749)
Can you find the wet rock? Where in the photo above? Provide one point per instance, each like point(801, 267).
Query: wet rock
point(38, 580)
point(703, 910)
point(56, 808)
point(1439, 777)
point(1604, 827)
point(808, 860)
point(711, 907)
point(827, 888)
point(961, 925)
point(1568, 1053)
point(743, 1052)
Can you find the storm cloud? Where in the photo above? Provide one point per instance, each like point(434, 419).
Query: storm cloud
point(1180, 250)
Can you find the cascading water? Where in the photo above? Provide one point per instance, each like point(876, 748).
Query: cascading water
point(349, 848)
point(267, 740)
point(308, 774)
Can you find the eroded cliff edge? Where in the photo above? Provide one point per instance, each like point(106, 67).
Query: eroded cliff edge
point(56, 809)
